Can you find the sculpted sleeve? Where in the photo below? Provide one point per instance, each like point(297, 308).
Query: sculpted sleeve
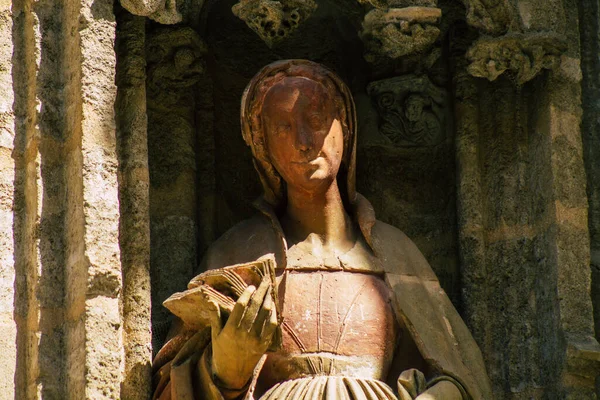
point(181, 369)
point(422, 306)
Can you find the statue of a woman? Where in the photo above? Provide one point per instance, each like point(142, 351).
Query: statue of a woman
point(362, 314)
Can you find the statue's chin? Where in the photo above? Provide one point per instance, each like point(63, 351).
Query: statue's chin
point(313, 181)
point(319, 175)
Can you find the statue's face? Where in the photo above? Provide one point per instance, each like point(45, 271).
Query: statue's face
point(303, 134)
point(414, 108)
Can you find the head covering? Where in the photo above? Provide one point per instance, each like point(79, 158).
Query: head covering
point(254, 135)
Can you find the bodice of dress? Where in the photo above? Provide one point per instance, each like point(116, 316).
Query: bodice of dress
point(334, 323)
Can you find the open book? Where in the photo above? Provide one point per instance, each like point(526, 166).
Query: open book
point(214, 293)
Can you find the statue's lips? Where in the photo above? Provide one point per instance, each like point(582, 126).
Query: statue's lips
point(316, 162)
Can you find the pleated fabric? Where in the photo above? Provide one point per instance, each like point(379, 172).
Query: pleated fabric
point(330, 388)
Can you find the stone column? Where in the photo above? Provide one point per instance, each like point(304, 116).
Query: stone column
point(25, 37)
point(103, 320)
point(65, 207)
point(134, 229)
point(589, 27)
point(8, 327)
point(560, 119)
point(57, 277)
point(523, 224)
point(175, 65)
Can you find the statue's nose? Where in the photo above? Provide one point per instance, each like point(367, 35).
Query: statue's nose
point(304, 140)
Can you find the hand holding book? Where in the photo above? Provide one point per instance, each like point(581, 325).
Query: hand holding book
point(240, 304)
point(238, 345)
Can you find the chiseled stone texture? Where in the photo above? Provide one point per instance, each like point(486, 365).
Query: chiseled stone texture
point(175, 67)
point(400, 32)
point(134, 230)
point(8, 328)
point(523, 227)
point(64, 203)
point(104, 336)
point(589, 12)
point(163, 11)
point(26, 201)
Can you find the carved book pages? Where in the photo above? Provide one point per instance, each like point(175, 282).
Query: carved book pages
point(214, 293)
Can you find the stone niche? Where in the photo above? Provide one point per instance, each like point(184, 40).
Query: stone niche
point(202, 180)
point(122, 160)
point(468, 142)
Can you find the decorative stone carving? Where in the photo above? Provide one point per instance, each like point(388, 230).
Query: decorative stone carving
point(142, 7)
point(174, 58)
point(162, 11)
point(410, 109)
point(522, 54)
point(273, 20)
point(399, 3)
point(491, 17)
point(399, 32)
point(409, 3)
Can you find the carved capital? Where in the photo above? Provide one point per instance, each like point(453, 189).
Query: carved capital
point(583, 361)
point(273, 20)
point(398, 32)
point(174, 59)
point(491, 17)
point(399, 3)
point(162, 11)
point(522, 54)
point(411, 110)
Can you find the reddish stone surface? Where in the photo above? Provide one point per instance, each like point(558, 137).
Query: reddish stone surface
point(333, 323)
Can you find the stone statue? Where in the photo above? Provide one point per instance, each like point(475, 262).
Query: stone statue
point(362, 315)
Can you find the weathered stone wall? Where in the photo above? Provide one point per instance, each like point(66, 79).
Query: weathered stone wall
point(175, 68)
point(103, 321)
point(8, 327)
point(523, 223)
point(62, 198)
point(589, 12)
point(134, 202)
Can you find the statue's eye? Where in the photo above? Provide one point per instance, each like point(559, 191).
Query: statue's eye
point(386, 100)
point(315, 121)
point(283, 128)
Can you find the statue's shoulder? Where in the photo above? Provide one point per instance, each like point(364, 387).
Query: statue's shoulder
point(245, 242)
point(398, 253)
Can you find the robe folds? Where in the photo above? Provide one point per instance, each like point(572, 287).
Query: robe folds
point(444, 343)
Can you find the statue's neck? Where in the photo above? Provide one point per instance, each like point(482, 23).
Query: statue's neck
point(321, 214)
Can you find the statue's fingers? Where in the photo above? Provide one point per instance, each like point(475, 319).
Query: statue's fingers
point(263, 314)
point(240, 307)
point(216, 323)
point(254, 305)
point(271, 324)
